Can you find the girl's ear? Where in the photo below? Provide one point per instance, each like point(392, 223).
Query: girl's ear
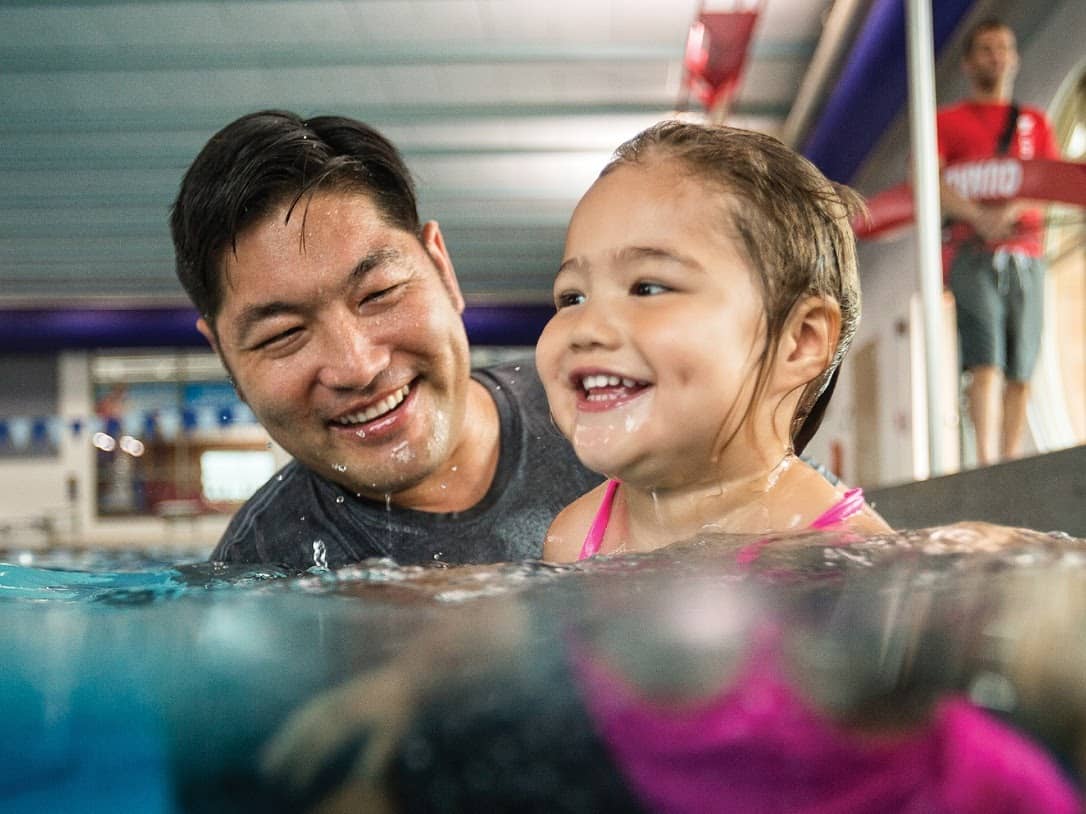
point(808, 341)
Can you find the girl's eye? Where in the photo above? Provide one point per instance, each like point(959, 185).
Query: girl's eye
point(568, 298)
point(645, 289)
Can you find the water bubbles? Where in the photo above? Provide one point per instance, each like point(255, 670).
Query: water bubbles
point(320, 554)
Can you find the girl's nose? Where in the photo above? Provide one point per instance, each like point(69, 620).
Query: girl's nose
point(595, 325)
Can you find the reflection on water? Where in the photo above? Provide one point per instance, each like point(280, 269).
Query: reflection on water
point(931, 671)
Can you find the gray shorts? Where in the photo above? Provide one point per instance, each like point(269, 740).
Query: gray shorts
point(1000, 306)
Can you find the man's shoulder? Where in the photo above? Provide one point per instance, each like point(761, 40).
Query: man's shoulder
point(284, 494)
point(519, 377)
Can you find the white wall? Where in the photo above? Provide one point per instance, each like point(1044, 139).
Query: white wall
point(36, 488)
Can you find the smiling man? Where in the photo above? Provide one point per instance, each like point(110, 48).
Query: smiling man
point(338, 316)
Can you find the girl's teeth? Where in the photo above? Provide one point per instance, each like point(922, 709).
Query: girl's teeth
point(601, 380)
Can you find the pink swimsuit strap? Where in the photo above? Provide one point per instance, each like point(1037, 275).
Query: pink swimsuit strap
point(851, 503)
point(594, 539)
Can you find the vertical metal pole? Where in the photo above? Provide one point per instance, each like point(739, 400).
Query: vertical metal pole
point(928, 216)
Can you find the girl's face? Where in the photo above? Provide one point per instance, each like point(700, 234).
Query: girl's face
point(651, 359)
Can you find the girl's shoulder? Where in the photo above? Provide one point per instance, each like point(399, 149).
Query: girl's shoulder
point(810, 496)
point(567, 533)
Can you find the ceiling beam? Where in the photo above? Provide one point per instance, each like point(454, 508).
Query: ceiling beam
point(129, 57)
point(206, 120)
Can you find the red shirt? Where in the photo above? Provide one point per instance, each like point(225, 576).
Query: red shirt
point(969, 131)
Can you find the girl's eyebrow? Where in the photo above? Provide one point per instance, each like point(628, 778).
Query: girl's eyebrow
point(636, 254)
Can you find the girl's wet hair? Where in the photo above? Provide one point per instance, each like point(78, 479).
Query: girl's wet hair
point(793, 223)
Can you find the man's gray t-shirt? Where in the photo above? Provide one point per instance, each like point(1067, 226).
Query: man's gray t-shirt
point(300, 519)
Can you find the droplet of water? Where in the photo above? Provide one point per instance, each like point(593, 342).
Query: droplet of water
point(516, 369)
point(361, 433)
point(320, 554)
point(278, 477)
point(339, 467)
point(388, 502)
point(340, 498)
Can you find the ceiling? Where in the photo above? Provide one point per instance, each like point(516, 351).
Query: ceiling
point(505, 111)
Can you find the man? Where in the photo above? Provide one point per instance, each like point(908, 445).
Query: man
point(338, 317)
point(997, 269)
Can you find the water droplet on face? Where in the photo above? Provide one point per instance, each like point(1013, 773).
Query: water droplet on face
point(361, 433)
point(340, 498)
point(454, 468)
point(339, 467)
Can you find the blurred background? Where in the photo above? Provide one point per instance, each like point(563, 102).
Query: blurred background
point(118, 426)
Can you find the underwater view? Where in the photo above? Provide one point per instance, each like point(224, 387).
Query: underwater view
point(937, 670)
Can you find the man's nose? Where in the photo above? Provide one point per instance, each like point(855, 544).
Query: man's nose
point(353, 354)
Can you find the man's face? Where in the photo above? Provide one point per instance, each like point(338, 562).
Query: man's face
point(344, 336)
point(992, 60)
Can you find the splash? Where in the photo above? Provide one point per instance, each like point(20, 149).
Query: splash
point(594, 433)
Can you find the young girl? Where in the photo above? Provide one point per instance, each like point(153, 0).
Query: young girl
point(708, 293)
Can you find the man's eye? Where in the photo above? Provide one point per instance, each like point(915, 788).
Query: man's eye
point(646, 289)
point(277, 340)
point(380, 294)
point(568, 298)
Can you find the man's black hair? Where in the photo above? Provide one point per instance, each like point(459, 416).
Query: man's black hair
point(263, 160)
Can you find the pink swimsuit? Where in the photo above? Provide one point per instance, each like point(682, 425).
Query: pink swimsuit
point(851, 502)
point(758, 747)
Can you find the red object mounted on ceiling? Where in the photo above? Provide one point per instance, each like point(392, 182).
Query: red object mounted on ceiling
point(716, 52)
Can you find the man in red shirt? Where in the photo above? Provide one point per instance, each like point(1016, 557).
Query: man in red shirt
point(997, 272)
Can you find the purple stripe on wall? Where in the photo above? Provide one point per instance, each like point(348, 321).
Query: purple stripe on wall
point(41, 330)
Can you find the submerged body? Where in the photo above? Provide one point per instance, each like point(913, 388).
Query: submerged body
point(163, 691)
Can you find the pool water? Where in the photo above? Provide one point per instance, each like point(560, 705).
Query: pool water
point(133, 683)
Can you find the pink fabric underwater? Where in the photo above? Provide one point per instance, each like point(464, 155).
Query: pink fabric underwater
point(760, 748)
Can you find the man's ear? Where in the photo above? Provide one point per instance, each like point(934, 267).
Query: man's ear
point(434, 243)
point(209, 335)
point(808, 341)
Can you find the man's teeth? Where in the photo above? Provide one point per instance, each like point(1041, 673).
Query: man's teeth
point(387, 404)
point(602, 380)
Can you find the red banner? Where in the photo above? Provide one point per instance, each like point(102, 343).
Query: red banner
point(716, 50)
point(993, 179)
